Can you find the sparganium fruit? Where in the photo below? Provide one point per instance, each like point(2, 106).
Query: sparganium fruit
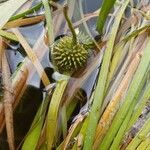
point(68, 57)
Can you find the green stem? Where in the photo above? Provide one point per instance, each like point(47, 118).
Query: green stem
point(136, 32)
point(31, 10)
point(101, 85)
point(144, 144)
point(64, 121)
point(74, 39)
point(140, 106)
point(52, 117)
point(105, 9)
point(49, 21)
point(141, 136)
point(8, 35)
point(121, 132)
point(33, 135)
point(129, 99)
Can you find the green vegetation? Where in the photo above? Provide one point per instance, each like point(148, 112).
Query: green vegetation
point(94, 92)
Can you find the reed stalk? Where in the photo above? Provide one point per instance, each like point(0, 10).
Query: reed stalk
point(139, 107)
point(129, 99)
point(8, 100)
point(141, 136)
point(107, 117)
point(52, 116)
point(102, 79)
point(144, 144)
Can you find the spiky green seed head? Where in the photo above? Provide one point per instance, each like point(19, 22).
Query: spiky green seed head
point(68, 57)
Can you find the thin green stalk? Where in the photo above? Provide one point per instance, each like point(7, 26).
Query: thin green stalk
point(121, 132)
point(141, 136)
point(144, 144)
point(74, 134)
point(71, 9)
point(52, 116)
point(33, 135)
point(105, 10)
point(29, 11)
point(131, 93)
point(64, 121)
point(139, 108)
point(85, 26)
point(119, 50)
point(83, 130)
point(8, 35)
point(100, 88)
point(69, 110)
point(74, 36)
point(49, 21)
point(66, 112)
point(75, 147)
point(136, 32)
point(71, 107)
point(43, 146)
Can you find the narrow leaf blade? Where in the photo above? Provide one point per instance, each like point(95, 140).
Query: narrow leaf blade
point(8, 9)
point(105, 9)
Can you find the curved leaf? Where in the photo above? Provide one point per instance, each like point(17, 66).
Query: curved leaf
point(105, 9)
point(8, 9)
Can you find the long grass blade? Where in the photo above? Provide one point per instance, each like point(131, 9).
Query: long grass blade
point(144, 144)
point(29, 11)
point(8, 35)
point(113, 106)
point(133, 89)
point(117, 140)
point(52, 116)
point(49, 21)
point(33, 135)
point(24, 22)
point(33, 57)
point(100, 88)
point(105, 10)
point(141, 136)
point(140, 106)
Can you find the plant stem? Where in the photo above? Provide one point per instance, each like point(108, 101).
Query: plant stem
point(113, 106)
point(105, 9)
point(144, 144)
point(8, 35)
point(100, 89)
point(8, 100)
point(31, 10)
point(129, 99)
point(74, 39)
point(139, 108)
point(141, 136)
point(52, 116)
point(33, 135)
point(121, 132)
point(49, 21)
